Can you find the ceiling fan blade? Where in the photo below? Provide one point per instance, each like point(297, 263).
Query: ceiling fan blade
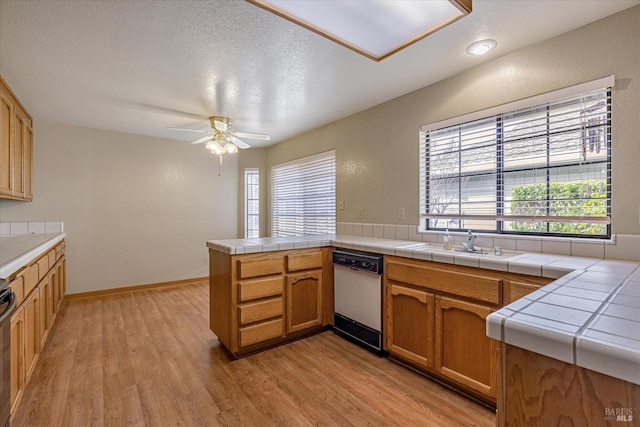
point(239, 143)
point(220, 125)
point(201, 140)
point(190, 130)
point(261, 136)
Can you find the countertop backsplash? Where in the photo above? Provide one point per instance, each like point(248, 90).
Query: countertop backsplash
point(621, 246)
point(33, 227)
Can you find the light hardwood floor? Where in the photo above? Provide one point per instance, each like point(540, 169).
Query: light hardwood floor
point(149, 358)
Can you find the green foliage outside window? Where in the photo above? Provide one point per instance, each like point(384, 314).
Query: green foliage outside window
point(585, 198)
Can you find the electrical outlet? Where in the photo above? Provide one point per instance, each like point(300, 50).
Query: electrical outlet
point(359, 212)
point(341, 205)
point(400, 213)
point(374, 213)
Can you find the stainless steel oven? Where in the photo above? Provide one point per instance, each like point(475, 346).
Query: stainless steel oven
point(7, 304)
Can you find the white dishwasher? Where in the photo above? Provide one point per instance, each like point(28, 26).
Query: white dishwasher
point(357, 287)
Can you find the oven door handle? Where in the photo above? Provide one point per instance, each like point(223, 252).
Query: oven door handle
point(11, 296)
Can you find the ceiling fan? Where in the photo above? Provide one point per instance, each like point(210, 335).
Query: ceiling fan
point(221, 139)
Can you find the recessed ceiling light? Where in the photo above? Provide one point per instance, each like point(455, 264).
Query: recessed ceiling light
point(376, 29)
point(481, 47)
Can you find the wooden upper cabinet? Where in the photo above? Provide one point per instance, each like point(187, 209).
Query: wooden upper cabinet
point(6, 139)
point(16, 151)
point(23, 157)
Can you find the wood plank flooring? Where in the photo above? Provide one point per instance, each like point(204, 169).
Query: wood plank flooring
point(149, 358)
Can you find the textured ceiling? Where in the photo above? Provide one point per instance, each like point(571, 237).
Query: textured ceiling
point(142, 66)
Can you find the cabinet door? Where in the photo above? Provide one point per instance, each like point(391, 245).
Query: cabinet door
point(55, 287)
point(31, 332)
point(28, 163)
point(44, 318)
point(6, 145)
point(17, 357)
point(304, 300)
point(18, 154)
point(62, 280)
point(464, 353)
point(409, 329)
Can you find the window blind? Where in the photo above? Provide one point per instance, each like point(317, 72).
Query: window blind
point(252, 203)
point(542, 168)
point(303, 196)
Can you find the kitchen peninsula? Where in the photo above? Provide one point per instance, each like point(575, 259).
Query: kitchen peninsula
point(583, 318)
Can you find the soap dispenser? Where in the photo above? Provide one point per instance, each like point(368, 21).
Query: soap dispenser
point(447, 241)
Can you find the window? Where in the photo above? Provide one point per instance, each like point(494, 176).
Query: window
point(303, 197)
point(252, 203)
point(537, 166)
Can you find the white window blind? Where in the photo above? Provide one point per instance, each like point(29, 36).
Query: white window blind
point(303, 196)
point(252, 203)
point(541, 168)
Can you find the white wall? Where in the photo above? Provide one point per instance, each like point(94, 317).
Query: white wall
point(136, 209)
point(377, 149)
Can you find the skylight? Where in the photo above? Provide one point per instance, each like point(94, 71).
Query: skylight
point(374, 28)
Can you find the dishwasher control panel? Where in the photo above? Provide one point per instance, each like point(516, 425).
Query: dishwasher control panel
point(358, 260)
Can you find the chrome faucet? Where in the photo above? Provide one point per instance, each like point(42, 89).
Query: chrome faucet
point(471, 242)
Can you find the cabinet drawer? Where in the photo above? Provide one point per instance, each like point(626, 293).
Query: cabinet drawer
point(260, 288)
point(43, 266)
point(261, 332)
point(466, 285)
point(515, 290)
point(31, 278)
point(261, 310)
point(18, 288)
point(263, 266)
point(304, 261)
point(58, 251)
point(52, 257)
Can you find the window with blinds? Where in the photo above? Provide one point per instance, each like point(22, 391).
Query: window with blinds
point(537, 166)
point(303, 196)
point(251, 203)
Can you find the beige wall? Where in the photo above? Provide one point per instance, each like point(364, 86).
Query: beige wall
point(377, 149)
point(136, 209)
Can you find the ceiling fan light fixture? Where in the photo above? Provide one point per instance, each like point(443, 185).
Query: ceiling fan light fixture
point(481, 47)
point(215, 147)
point(230, 148)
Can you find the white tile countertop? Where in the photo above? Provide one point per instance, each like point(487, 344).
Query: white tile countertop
point(18, 250)
point(589, 316)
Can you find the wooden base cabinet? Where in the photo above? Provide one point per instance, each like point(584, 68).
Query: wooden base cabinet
point(409, 328)
point(39, 289)
point(537, 390)
point(259, 300)
point(464, 353)
point(32, 313)
point(435, 319)
point(304, 300)
point(17, 356)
